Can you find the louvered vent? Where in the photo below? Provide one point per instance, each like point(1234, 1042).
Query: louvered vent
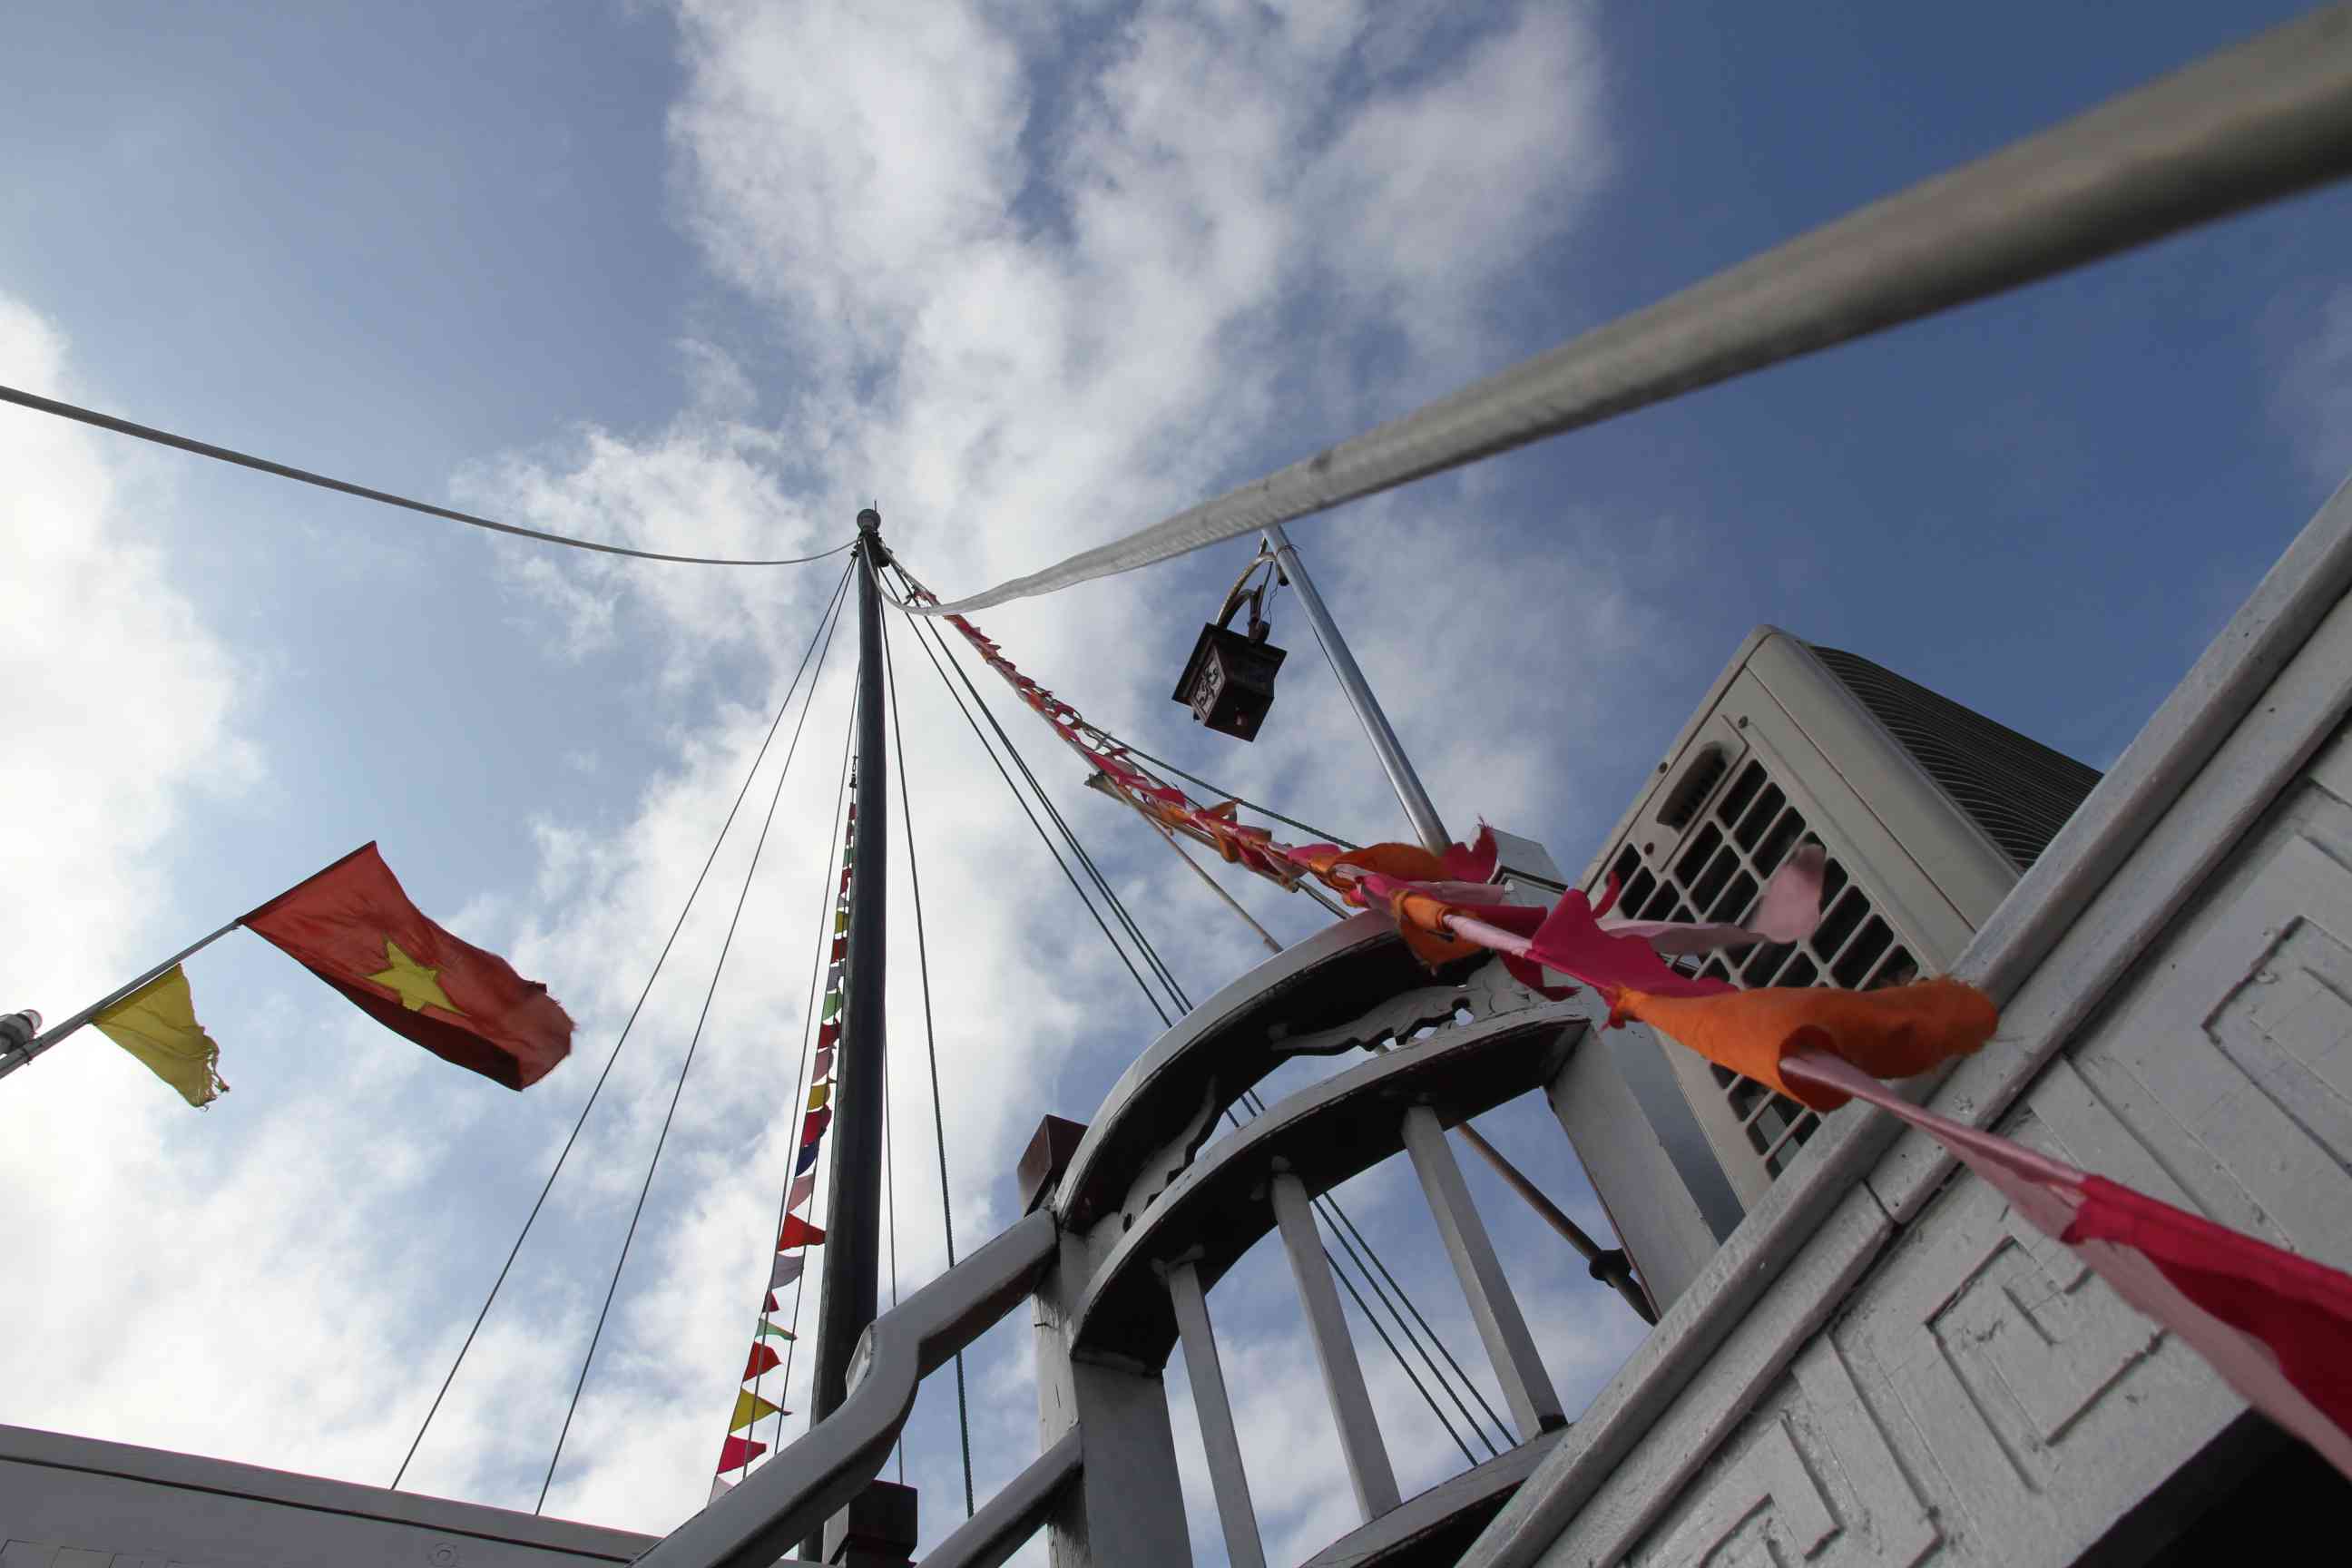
point(1715, 874)
point(2019, 792)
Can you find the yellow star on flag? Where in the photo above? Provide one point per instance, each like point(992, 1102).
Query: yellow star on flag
point(417, 985)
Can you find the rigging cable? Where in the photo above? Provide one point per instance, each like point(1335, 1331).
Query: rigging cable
point(845, 796)
point(1176, 990)
point(687, 1066)
point(1220, 792)
point(565, 1153)
point(930, 1036)
point(1150, 956)
point(40, 404)
point(1148, 995)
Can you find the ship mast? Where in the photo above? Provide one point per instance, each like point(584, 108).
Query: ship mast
point(853, 1241)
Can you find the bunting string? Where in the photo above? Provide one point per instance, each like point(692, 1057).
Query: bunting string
point(796, 1233)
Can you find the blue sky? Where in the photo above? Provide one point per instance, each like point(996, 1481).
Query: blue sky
point(710, 276)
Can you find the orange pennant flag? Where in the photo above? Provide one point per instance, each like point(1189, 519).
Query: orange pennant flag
point(1890, 1033)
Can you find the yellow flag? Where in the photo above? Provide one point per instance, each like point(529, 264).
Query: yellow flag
point(819, 1095)
point(750, 1408)
point(157, 1024)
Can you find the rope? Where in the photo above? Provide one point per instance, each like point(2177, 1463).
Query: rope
point(1335, 1216)
point(659, 960)
point(686, 1067)
point(1148, 995)
point(890, 1205)
point(246, 460)
point(1220, 792)
point(2242, 127)
point(930, 1038)
point(1150, 955)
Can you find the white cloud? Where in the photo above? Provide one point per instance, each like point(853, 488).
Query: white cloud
point(2315, 395)
point(1033, 291)
point(121, 703)
point(1036, 287)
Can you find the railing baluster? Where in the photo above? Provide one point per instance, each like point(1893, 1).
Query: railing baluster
point(1527, 1386)
point(1343, 1376)
point(1227, 1476)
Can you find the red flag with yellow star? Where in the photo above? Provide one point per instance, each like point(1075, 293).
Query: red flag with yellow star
point(352, 927)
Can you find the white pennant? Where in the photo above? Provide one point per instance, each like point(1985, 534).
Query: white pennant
point(787, 1268)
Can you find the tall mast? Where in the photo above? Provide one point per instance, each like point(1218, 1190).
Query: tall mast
point(852, 1237)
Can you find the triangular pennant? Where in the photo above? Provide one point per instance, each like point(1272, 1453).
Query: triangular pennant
point(818, 1095)
point(832, 1006)
point(750, 1408)
point(719, 1486)
point(768, 1330)
point(764, 1359)
point(827, 1035)
point(738, 1452)
point(823, 1068)
point(840, 947)
point(813, 1125)
point(798, 1232)
point(787, 1268)
point(802, 1188)
point(841, 922)
point(771, 1301)
point(807, 1159)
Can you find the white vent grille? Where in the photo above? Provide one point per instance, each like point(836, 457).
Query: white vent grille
point(1715, 873)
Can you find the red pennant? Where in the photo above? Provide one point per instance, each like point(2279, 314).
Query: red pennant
point(771, 1302)
point(826, 1035)
point(798, 1232)
point(738, 1452)
point(764, 1359)
point(812, 1127)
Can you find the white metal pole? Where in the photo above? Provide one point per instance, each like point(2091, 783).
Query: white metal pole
point(1391, 750)
point(1235, 1514)
point(1326, 1327)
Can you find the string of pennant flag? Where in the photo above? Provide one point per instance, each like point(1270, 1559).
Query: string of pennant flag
point(2274, 1325)
point(736, 1453)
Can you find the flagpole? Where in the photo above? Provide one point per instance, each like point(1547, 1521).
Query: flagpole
point(853, 1246)
point(12, 1061)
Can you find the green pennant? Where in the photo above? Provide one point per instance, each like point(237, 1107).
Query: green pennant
point(768, 1330)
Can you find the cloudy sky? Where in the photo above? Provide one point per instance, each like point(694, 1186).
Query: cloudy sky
point(709, 275)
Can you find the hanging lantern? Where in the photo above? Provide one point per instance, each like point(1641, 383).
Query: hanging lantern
point(1229, 681)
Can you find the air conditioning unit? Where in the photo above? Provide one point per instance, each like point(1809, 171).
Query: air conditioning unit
point(1929, 812)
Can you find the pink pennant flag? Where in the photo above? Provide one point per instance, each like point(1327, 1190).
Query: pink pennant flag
point(1789, 909)
point(719, 1486)
point(787, 1269)
point(1572, 942)
point(2275, 1326)
point(804, 1187)
point(824, 1066)
point(738, 1452)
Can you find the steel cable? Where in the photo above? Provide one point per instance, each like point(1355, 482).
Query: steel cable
point(676, 926)
point(685, 1068)
point(40, 404)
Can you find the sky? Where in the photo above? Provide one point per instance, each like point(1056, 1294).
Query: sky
point(708, 277)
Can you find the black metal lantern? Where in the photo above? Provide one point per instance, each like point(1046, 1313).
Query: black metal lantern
point(1229, 681)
